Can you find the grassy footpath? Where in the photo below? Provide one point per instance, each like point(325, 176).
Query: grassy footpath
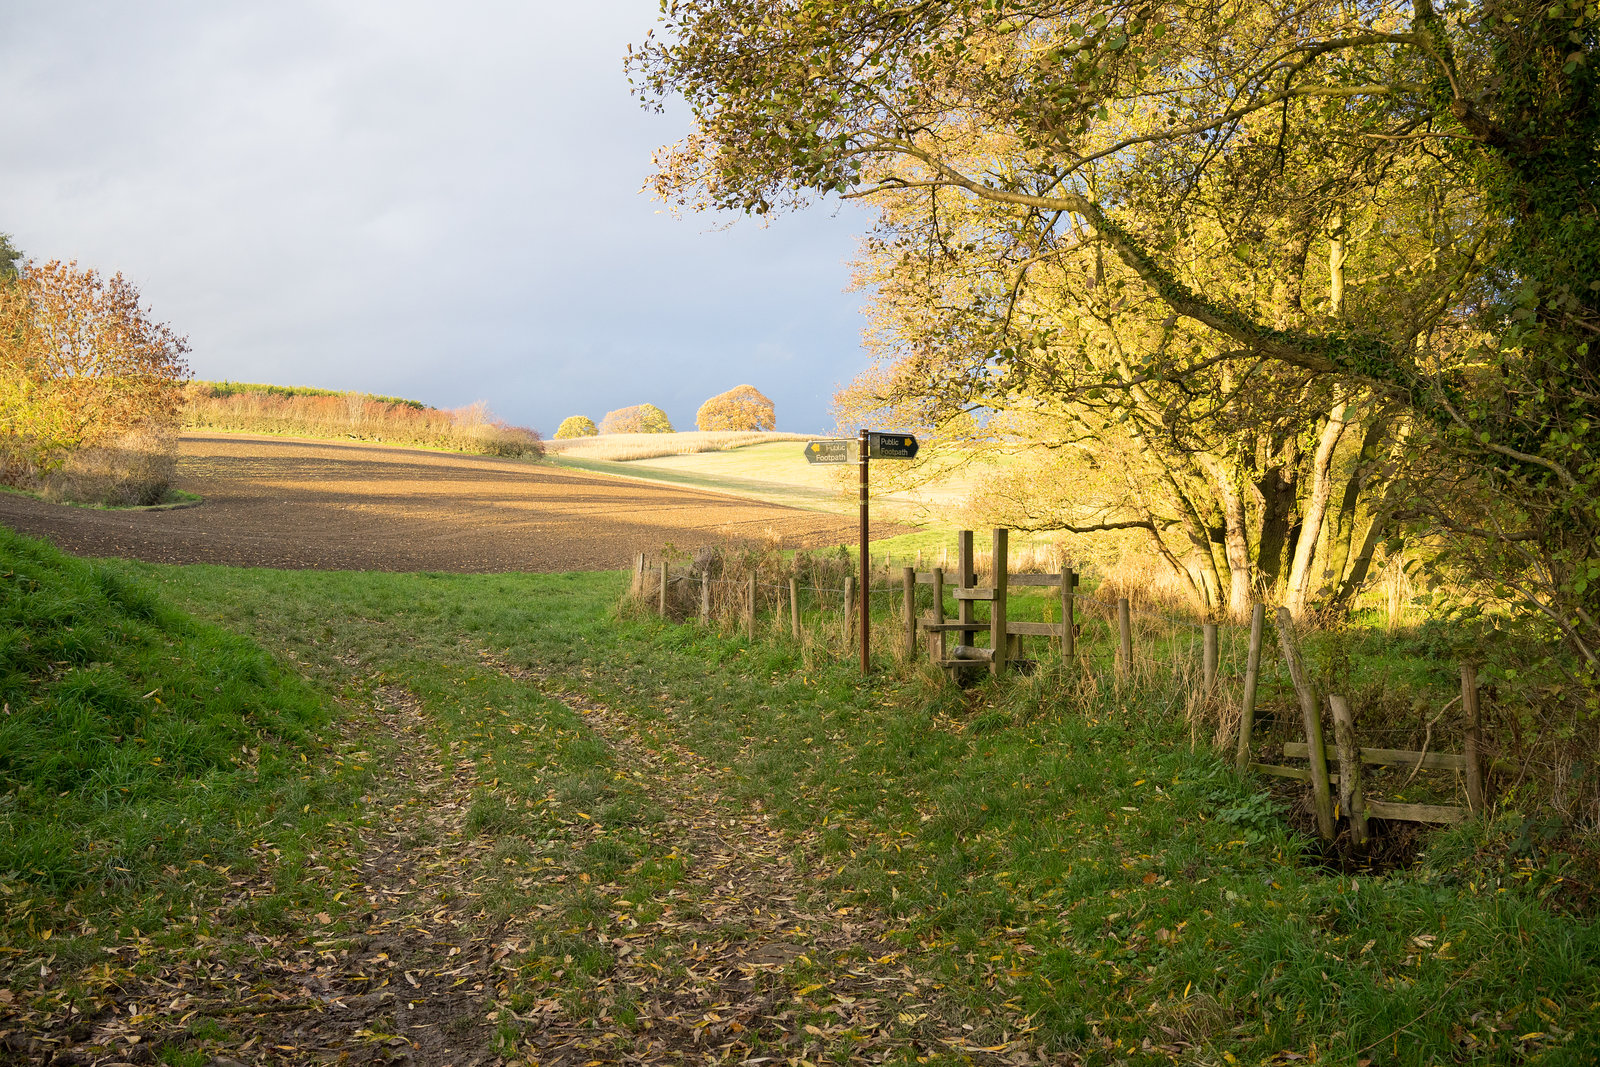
point(1068, 867)
point(1051, 865)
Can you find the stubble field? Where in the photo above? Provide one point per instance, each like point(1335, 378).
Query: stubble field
point(282, 502)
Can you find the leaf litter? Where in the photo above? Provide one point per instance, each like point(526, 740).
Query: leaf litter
point(743, 959)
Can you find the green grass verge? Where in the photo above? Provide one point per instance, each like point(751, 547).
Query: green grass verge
point(131, 737)
point(1057, 853)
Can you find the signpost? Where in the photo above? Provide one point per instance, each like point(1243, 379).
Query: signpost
point(871, 445)
point(836, 450)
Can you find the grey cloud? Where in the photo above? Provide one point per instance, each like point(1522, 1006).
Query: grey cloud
point(431, 200)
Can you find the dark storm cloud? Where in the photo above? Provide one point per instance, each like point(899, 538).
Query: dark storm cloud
point(431, 200)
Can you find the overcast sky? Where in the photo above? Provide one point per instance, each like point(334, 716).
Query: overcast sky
point(438, 201)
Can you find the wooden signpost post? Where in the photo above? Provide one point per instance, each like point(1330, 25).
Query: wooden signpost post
point(871, 445)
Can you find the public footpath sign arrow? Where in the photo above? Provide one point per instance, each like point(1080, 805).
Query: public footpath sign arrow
point(836, 450)
point(891, 445)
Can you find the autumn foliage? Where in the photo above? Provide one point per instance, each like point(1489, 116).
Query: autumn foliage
point(89, 387)
point(641, 418)
point(576, 426)
point(743, 407)
point(302, 412)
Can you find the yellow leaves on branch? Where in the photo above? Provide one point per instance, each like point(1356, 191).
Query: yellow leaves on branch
point(81, 364)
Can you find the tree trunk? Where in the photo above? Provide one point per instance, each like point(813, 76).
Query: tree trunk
point(1277, 489)
point(1235, 540)
point(1299, 591)
point(1341, 537)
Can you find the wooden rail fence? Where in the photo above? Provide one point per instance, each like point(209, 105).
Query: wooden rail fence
point(1005, 650)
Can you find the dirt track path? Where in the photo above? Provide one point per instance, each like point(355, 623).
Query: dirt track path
point(281, 502)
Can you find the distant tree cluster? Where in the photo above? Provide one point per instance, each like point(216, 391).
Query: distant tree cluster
point(742, 408)
point(641, 418)
point(575, 426)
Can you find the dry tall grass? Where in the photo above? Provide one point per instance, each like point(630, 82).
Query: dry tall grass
point(621, 447)
point(311, 413)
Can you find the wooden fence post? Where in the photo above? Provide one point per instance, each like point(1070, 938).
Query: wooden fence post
point(705, 597)
point(908, 579)
point(1069, 627)
point(1474, 771)
point(998, 645)
point(638, 575)
point(1311, 712)
point(1209, 658)
point(849, 609)
point(1344, 742)
point(1252, 676)
point(662, 604)
point(750, 607)
point(794, 608)
point(1125, 638)
point(965, 579)
point(936, 642)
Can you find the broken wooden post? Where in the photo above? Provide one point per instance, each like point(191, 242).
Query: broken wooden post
point(908, 581)
point(662, 604)
point(1208, 658)
point(794, 608)
point(1252, 676)
point(1125, 641)
point(1311, 712)
point(1344, 742)
point(998, 644)
point(1474, 769)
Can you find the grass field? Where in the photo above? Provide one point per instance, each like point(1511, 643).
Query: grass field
point(777, 472)
point(621, 447)
point(683, 842)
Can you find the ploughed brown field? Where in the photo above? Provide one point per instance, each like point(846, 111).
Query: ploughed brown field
point(284, 502)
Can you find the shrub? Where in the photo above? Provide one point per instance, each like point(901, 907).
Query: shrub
point(641, 418)
point(576, 426)
point(743, 407)
point(89, 387)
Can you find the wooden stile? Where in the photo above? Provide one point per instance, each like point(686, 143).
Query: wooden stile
point(965, 578)
point(1311, 713)
point(1252, 677)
